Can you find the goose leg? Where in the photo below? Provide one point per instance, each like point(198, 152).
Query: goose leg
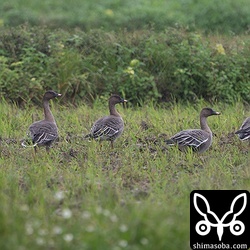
point(47, 148)
point(35, 149)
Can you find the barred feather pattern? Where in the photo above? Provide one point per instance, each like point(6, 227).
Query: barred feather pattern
point(194, 138)
point(244, 131)
point(107, 128)
point(43, 132)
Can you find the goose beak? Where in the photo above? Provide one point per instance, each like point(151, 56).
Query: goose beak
point(123, 103)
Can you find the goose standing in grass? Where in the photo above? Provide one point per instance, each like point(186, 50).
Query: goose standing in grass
point(44, 132)
point(197, 139)
point(109, 127)
point(244, 131)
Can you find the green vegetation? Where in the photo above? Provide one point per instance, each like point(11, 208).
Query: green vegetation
point(147, 50)
point(136, 196)
point(142, 65)
point(169, 59)
point(211, 16)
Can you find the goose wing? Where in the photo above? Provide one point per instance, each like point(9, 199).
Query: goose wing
point(192, 138)
point(107, 128)
point(43, 132)
point(244, 131)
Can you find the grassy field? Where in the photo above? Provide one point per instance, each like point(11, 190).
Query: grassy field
point(136, 196)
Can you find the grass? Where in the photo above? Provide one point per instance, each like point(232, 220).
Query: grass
point(136, 196)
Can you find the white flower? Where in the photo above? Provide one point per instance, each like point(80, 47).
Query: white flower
point(42, 232)
point(68, 237)
point(123, 243)
point(29, 229)
point(40, 241)
point(59, 195)
point(144, 241)
point(123, 228)
point(57, 230)
point(106, 212)
point(86, 215)
point(66, 213)
point(90, 228)
point(98, 210)
point(113, 218)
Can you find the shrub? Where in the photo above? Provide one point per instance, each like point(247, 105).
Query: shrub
point(142, 65)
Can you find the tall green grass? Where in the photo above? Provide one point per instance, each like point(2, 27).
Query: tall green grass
point(136, 196)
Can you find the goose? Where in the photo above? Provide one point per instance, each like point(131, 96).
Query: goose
point(44, 132)
point(109, 128)
point(197, 139)
point(244, 131)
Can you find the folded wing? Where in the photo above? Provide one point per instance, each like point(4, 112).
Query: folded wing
point(192, 138)
point(43, 132)
point(244, 131)
point(107, 128)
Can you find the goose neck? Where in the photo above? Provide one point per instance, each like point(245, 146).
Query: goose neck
point(204, 125)
point(47, 112)
point(112, 110)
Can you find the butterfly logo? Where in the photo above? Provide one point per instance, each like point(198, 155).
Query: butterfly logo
point(236, 227)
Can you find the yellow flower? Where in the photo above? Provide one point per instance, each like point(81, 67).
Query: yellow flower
point(14, 64)
point(129, 71)
point(134, 62)
point(220, 49)
point(109, 12)
point(60, 45)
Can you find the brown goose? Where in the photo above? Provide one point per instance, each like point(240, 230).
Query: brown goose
point(244, 131)
point(197, 139)
point(109, 127)
point(45, 132)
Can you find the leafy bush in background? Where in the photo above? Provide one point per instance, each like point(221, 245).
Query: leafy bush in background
point(192, 66)
point(141, 65)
